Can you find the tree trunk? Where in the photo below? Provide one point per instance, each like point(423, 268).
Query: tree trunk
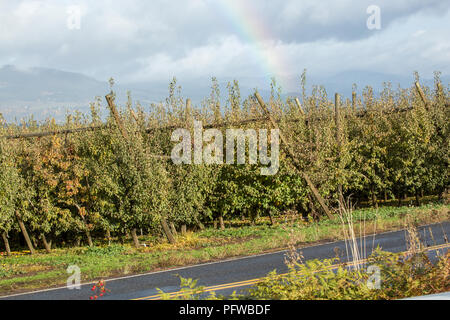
point(33, 241)
point(312, 208)
point(88, 233)
point(270, 217)
point(108, 236)
point(183, 230)
point(199, 224)
point(135, 237)
point(399, 204)
point(167, 232)
point(374, 198)
point(25, 233)
point(341, 197)
point(445, 196)
point(89, 238)
point(78, 241)
point(5, 240)
point(417, 199)
point(47, 246)
point(173, 229)
point(121, 238)
point(222, 224)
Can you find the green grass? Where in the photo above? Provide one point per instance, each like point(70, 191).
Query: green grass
point(26, 272)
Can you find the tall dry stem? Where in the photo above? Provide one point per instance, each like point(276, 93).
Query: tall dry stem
point(355, 254)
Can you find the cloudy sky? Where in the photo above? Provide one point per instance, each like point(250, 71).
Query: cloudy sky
point(136, 41)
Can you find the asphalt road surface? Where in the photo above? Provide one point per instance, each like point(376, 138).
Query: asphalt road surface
point(227, 276)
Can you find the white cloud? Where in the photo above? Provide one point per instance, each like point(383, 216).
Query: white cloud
point(419, 33)
point(222, 57)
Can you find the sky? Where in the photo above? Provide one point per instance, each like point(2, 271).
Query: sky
point(136, 41)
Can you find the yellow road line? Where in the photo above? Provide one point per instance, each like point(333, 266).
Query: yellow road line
point(254, 281)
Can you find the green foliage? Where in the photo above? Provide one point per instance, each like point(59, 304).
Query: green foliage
point(99, 181)
point(111, 250)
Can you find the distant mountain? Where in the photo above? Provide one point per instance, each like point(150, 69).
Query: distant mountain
point(44, 93)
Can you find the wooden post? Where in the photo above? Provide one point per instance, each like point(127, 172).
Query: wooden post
point(299, 105)
point(112, 107)
point(134, 115)
point(291, 154)
point(422, 95)
point(188, 110)
point(354, 101)
point(183, 229)
point(337, 103)
point(440, 90)
point(25, 233)
point(6, 242)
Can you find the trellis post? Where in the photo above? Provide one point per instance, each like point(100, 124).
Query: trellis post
point(291, 154)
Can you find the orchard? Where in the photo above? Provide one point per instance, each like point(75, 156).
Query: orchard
point(104, 176)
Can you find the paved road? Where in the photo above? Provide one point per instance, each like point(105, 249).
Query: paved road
point(231, 275)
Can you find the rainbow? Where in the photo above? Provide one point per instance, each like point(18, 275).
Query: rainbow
point(250, 27)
